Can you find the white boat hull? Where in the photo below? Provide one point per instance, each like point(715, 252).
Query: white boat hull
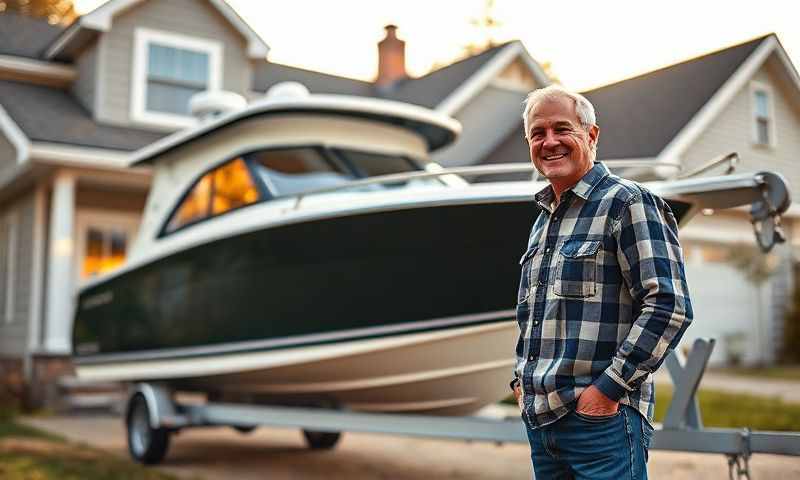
point(446, 372)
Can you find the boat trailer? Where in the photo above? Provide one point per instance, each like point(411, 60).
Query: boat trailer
point(152, 414)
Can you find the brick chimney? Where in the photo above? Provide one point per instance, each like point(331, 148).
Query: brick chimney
point(391, 58)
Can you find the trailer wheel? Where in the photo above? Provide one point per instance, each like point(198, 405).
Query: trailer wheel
point(146, 444)
point(321, 440)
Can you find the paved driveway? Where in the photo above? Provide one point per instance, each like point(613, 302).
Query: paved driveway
point(279, 454)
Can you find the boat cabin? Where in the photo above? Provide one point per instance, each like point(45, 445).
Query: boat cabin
point(283, 148)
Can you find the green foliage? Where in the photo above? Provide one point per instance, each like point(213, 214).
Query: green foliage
point(27, 453)
point(9, 429)
point(788, 353)
point(16, 465)
point(734, 410)
point(9, 407)
point(779, 372)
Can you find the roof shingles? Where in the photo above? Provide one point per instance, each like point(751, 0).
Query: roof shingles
point(52, 115)
point(25, 36)
point(638, 117)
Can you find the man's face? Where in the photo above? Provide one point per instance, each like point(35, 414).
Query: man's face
point(560, 148)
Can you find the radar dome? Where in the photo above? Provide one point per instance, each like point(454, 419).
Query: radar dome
point(288, 91)
point(213, 103)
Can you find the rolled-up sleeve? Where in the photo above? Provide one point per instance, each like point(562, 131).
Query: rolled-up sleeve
point(652, 267)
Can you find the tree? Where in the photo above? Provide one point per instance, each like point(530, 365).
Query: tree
point(55, 11)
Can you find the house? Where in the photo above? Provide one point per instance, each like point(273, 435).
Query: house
point(76, 100)
point(745, 99)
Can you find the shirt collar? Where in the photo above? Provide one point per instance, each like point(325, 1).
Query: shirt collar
point(546, 197)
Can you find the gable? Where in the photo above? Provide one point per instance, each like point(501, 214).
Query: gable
point(640, 116)
point(516, 75)
point(486, 121)
point(84, 29)
point(185, 18)
point(732, 130)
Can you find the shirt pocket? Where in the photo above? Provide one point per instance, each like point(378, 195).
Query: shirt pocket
point(576, 269)
point(525, 279)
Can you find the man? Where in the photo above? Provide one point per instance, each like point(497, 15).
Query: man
point(602, 301)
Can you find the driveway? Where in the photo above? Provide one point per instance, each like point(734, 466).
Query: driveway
point(280, 454)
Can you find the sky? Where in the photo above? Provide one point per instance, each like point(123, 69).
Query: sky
point(588, 43)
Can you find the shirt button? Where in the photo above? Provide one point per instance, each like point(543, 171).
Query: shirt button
point(530, 358)
point(547, 250)
point(555, 219)
point(535, 322)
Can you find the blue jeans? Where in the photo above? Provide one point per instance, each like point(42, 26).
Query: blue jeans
point(596, 448)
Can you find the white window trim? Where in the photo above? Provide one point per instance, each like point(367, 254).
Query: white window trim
point(142, 37)
point(12, 222)
point(756, 86)
point(103, 220)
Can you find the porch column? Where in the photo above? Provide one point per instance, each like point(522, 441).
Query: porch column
point(60, 289)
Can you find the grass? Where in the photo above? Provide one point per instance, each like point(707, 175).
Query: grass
point(782, 372)
point(27, 454)
point(733, 410)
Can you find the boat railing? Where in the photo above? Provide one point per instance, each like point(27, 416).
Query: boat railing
point(732, 159)
point(469, 171)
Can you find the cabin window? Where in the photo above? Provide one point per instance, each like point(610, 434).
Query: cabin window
point(370, 164)
point(8, 266)
point(168, 70)
point(296, 170)
point(763, 118)
point(221, 190)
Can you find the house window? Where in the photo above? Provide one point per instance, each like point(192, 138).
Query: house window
point(763, 118)
point(220, 190)
point(106, 249)
point(104, 240)
point(173, 76)
point(8, 267)
point(168, 69)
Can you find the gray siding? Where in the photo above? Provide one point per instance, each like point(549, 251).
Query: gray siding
point(486, 120)
point(732, 131)
point(8, 155)
point(195, 18)
point(84, 86)
point(14, 334)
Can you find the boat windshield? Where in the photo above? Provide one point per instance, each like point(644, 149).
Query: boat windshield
point(286, 172)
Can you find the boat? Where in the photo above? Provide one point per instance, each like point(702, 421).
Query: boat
point(305, 250)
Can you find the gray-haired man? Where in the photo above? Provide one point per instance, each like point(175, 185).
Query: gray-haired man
point(602, 300)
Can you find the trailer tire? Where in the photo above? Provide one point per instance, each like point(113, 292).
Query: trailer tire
point(321, 440)
point(146, 444)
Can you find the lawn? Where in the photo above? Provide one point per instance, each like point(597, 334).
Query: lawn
point(732, 410)
point(781, 372)
point(27, 453)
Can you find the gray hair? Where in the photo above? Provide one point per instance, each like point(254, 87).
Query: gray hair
point(583, 107)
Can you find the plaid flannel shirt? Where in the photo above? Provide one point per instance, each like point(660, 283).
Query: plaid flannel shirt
point(602, 297)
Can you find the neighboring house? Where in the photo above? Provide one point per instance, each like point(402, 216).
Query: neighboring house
point(75, 101)
point(744, 99)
